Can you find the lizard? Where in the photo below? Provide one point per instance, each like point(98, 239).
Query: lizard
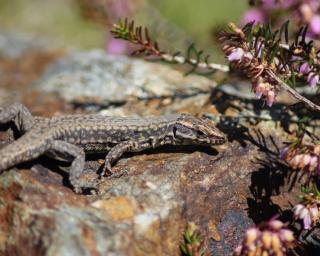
point(70, 137)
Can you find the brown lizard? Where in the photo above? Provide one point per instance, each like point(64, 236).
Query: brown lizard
point(70, 137)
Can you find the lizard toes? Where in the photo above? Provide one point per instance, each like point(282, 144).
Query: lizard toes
point(87, 180)
point(119, 174)
point(106, 169)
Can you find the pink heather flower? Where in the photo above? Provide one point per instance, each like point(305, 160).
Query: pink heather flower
point(119, 8)
point(253, 15)
point(268, 3)
point(115, 46)
point(297, 209)
point(295, 160)
point(314, 4)
point(304, 68)
point(276, 224)
point(315, 25)
point(308, 214)
point(313, 79)
point(272, 4)
point(283, 152)
point(307, 221)
point(313, 163)
point(270, 98)
point(306, 159)
point(285, 4)
point(306, 12)
point(314, 212)
point(273, 238)
point(236, 54)
point(286, 235)
point(296, 58)
point(259, 89)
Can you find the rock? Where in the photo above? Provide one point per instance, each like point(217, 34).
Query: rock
point(15, 44)
point(144, 212)
point(23, 58)
point(94, 76)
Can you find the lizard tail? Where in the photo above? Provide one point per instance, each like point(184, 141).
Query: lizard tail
point(17, 152)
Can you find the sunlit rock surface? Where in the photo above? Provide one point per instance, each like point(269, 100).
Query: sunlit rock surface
point(145, 211)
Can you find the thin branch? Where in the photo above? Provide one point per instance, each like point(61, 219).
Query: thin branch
point(200, 64)
point(128, 31)
point(294, 93)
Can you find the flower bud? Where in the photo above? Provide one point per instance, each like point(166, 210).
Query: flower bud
point(276, 224)
point(313, 163)
point(251, 235)
point(297, 209)
point(314, 212)
point(286, 235)
point(275, 243)
point(270, 98)
point(236, 54)
point(313, 79)
point(266, 239)
point(304, 68)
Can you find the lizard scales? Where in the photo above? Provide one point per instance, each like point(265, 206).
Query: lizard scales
point(70, 137)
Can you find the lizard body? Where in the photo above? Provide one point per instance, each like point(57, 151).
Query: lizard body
point(70, 137)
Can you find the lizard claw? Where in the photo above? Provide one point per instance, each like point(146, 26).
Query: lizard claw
point(119, 174)
point(87, 180)
point(106, 168)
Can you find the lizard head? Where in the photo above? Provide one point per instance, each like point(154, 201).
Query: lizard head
point(193, 130)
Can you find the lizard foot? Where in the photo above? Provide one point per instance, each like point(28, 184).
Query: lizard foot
point(87, 180)
point(117, 175)
point(106, 169)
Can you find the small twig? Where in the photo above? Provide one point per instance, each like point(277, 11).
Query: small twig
point(203, 65)
point(140, 36)
point(294, 93)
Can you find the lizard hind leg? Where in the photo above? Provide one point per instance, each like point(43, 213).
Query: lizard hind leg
point(19, 114)
point(78, 177)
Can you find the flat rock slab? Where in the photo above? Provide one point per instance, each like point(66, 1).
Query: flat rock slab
point(97, 77)
point(15, 44)
point(145, 211)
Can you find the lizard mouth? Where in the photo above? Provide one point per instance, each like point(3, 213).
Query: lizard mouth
point(220, 141)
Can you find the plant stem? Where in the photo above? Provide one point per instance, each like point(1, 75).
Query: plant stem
point(294, 93)
point(203, 65)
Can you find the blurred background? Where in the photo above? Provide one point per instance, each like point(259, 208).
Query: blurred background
point(85, 23)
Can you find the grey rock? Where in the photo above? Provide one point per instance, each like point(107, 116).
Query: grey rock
point(143, 212)
point(97, 77)
point(14, 44)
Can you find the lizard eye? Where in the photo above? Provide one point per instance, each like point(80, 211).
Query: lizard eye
point(200, 133)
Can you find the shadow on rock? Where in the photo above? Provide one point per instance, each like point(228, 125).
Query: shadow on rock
point(253, 111)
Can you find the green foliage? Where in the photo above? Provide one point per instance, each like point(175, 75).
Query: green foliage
point(192, 244)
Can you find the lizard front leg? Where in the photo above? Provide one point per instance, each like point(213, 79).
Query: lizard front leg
point(114, 154)
point(19, 114)
point(117, 151)
point(77, 177)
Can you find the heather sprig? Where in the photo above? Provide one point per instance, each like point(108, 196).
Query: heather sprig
point(308, 210)
point(141, 37)
point(136, 35)
point(263, 54)
point(269, 239)
point(270, 61)
point(304, 156)
point(193, 243)
point(300, 12)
